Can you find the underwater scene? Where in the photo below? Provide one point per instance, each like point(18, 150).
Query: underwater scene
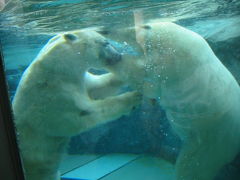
point(124, 90)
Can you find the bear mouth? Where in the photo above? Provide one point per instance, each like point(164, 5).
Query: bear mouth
point(109, 54)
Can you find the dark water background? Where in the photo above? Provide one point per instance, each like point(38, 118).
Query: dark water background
point(26, 25)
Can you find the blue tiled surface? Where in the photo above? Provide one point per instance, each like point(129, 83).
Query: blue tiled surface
point(144, 168)
point(100, 167)
point(71, 162)
point(72, 179)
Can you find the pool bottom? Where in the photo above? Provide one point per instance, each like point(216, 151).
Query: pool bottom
point(116, 167)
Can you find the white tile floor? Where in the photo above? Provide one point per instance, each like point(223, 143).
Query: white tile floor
point(116, 167)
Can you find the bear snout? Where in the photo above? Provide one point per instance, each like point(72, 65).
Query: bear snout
point(109, 54)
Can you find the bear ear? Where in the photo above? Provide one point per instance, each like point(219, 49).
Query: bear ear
point(70, 37)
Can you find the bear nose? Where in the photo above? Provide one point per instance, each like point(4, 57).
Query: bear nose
point(110, 55)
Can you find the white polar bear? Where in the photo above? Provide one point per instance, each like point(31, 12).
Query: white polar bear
point(200, 96)
point(51, 102)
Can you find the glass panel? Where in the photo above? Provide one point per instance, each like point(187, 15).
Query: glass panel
point(132, 90)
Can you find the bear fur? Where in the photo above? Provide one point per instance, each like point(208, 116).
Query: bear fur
point(200, 96)
point(51, 103)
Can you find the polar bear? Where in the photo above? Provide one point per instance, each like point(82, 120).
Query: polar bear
point(200, 96)
point(51, 103)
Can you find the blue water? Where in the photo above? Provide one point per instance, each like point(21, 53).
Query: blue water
point(25, 29)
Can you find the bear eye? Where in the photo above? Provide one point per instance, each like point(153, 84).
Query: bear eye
point(70, 37)
point(105, 43)
point(147, 27)
point(103, 32)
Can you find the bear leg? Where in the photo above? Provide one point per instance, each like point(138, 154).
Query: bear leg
point(204, 155)
point(102, 86)
point(41, 175)
point(111, 108)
